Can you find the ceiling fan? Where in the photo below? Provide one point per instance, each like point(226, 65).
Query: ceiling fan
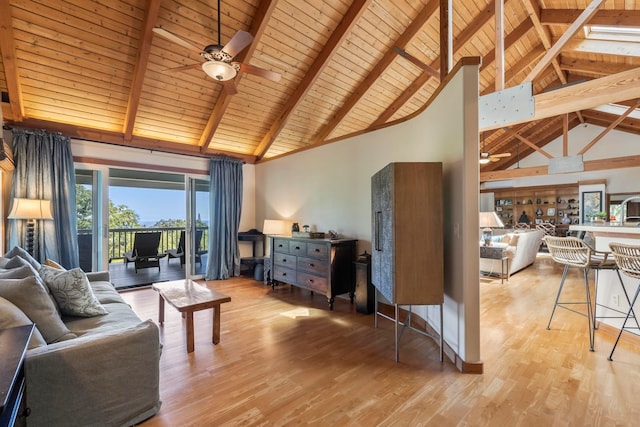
point(219, 64)
point(486, 157)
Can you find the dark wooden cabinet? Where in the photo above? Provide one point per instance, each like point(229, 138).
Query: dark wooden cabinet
point(13, 348)
point(319, 265)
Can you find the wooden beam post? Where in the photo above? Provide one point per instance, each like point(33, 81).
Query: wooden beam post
point(499, 36)
point(529, 143)
point(446, 38)
point(613, 124)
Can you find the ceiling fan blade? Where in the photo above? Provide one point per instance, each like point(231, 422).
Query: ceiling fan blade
point(184, 67)
point(415, 61)
point(229, 87)
point(172, 37)
point(501, 155)
point(238, 42)
point(260, 72)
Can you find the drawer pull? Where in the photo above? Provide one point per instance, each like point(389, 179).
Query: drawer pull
point(280, 246)
point(284, 260)
point(310, 280)
point(297, 248)
point(284, 274)
point(311, 265)
point(317, 250)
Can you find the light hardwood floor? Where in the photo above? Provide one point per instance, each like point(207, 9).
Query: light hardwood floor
point(284, 358)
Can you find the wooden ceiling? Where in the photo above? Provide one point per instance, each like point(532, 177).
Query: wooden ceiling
point(96, 70)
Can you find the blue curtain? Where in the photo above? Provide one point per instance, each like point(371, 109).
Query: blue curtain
point(44, 170)
point(225, 195)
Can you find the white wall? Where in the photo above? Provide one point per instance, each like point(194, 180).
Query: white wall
point(614, 144)
point(329, 188)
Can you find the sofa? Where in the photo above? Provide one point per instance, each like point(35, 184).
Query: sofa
point(98, 366)
point(521, 247)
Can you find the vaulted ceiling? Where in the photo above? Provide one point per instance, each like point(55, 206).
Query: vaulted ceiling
point(97, 70)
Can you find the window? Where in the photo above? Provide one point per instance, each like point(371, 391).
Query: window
point(612, 33)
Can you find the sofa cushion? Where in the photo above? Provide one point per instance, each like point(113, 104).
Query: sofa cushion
point(72, 292)
point(16, 262)
point(118, 316)
point(106, 292)
point(11, 316)
point(18, 272)
point(18, 251)
point(30, 296)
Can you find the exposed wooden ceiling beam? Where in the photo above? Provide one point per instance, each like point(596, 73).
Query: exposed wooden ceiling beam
point(534, 13)
point(613, 88)
point(509, 40)
point(583, 66)
point(611, 126)
point(602, 119)
point(602, 17)
point(427, 11)
point(446, 37)
point(258, 26)
point(458, 43)
point(357, 8)
point(499, 45)
point(589, 166)
point(117, 138)
point(150, 19)
point(577, 25)
point(8, 49)
point(529, 143)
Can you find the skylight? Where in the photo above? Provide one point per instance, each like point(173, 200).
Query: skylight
point(618, 110)
point(612, 33)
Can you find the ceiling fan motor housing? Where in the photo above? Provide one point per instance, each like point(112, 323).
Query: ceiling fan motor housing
point(214, 52)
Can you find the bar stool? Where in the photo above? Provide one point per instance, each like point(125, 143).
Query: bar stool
point(574, 252)
point(627, 258)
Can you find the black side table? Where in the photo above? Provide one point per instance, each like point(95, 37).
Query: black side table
point(13, 348)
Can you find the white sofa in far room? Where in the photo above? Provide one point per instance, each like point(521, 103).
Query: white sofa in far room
point(521, 248)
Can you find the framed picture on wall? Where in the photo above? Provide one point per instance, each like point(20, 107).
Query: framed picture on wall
point(551, 211)
point(591, 205)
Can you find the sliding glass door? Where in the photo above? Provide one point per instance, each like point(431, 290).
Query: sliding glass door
point(116, 206)
point(197, 226)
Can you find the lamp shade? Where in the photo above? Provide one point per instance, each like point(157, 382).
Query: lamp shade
point(277, 227)
point(490, 220)
point(219, 70)
point(30, 209)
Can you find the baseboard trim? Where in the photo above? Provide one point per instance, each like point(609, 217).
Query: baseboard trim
point(418, 322)
point(612, 331)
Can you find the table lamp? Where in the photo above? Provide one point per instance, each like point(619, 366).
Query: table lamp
point(488, 221)
point(31, 210)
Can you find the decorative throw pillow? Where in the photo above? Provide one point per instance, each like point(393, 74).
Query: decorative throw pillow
point(16, 261)
point(18, 272)
point(514, 240)
point(30, 296)
point(12, 316)
point(18, 251)
point(72, 292)
point(53, 264)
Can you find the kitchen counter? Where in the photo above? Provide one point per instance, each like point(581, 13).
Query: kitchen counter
point(610, 298)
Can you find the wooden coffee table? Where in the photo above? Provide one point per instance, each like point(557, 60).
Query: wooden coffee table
point(188, 296)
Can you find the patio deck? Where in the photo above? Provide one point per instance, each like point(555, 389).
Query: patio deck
point(125, 277)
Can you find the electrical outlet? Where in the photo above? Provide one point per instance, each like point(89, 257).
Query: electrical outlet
point(615, 300)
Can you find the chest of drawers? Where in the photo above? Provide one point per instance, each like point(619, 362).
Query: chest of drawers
point(319, 265)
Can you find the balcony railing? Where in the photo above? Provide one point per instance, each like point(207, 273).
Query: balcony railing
point(121, 239)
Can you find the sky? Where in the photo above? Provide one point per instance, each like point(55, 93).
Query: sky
point(154, 204)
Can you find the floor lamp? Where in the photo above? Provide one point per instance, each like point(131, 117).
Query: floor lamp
point(31, 210)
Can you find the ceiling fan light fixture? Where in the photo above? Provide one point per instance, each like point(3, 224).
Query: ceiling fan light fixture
point(484, 158)
point(220, 71)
